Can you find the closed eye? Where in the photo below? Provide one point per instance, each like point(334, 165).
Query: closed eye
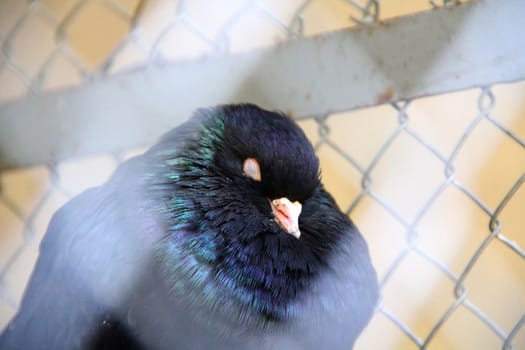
point(252, 169)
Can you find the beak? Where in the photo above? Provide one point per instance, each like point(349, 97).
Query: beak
point(287, 214)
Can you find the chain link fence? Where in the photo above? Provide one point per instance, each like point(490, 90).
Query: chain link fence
point(440, 198)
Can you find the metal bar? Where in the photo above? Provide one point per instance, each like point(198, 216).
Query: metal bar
point(449, 49)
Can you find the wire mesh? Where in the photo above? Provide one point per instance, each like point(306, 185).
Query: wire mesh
point(58, 48)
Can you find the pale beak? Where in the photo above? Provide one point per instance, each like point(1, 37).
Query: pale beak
point(287, 214)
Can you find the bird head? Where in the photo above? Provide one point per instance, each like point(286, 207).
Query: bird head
point(272, 163)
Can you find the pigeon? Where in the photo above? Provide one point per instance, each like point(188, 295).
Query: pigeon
point(220, 236)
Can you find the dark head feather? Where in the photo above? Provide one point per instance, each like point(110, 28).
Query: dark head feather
point(221, 241)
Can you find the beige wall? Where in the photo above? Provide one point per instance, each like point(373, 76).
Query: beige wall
point(405, 177)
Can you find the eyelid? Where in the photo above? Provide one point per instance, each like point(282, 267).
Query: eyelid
point(251, 168)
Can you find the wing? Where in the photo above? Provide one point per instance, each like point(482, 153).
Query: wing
point(91, 255)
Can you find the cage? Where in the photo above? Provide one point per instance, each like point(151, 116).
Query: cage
point(416, 109)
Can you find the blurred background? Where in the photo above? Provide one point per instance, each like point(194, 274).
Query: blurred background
point(435, 183)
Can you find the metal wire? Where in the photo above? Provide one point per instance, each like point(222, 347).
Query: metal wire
point(294, 27)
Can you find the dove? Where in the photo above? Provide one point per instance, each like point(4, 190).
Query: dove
point(220, 236)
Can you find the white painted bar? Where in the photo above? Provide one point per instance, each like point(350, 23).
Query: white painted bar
point(474, 44)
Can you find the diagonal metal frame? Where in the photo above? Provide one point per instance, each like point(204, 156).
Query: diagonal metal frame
point(277, 78)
